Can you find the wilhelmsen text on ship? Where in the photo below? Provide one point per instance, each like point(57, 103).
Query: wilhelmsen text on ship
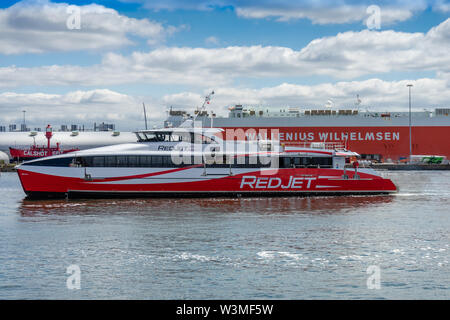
point(327, 136)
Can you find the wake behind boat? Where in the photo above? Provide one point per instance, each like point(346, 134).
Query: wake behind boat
point(198, 162)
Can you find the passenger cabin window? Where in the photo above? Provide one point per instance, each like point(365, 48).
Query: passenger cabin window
point(98, 161)
point(156, 161)
point(306, 162)
point(110, 161)
point(131, 161)
point(121, 161)
point(59, 162)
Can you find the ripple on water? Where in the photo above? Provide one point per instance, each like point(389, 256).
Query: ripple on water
point(287, 248)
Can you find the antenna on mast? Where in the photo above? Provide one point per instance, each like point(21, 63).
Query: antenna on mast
point(207, 101)
point(145, 116)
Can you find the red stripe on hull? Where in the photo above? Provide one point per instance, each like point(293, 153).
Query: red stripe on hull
point(286, 180)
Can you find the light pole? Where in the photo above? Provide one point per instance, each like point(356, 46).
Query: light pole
point(24, 123)
point(410, 134)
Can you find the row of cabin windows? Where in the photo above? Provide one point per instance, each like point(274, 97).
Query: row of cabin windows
point(166, 161)
point(290, 162)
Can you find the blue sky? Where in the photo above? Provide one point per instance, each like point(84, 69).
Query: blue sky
point(267, 53)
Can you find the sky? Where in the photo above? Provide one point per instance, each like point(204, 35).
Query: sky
point(80, 62)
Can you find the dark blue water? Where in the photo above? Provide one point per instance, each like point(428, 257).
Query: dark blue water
point(263, 248)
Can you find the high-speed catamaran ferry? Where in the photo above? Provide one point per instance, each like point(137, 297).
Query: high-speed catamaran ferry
point(196, 162)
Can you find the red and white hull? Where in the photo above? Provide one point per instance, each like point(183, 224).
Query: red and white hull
point(192, 181)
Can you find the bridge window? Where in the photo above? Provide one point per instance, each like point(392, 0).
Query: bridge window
point(176, 137)
point(162, 136)
point(168, 136)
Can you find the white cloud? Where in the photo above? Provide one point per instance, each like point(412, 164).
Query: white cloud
point(96, 96)
point(212, 40)
point(442, 6)
point(87, 107)
point(158, 5)
point(37, 26)
point(326, 15)
point(345, 56)
point(376, 94)
point(317, 11)
point(78, 107)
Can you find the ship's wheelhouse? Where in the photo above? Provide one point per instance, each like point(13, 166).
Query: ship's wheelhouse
point(190, 136)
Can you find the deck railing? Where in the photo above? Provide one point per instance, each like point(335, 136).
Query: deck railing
point(319, 145)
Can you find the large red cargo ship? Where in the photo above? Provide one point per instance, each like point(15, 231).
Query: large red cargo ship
point(375, 135)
